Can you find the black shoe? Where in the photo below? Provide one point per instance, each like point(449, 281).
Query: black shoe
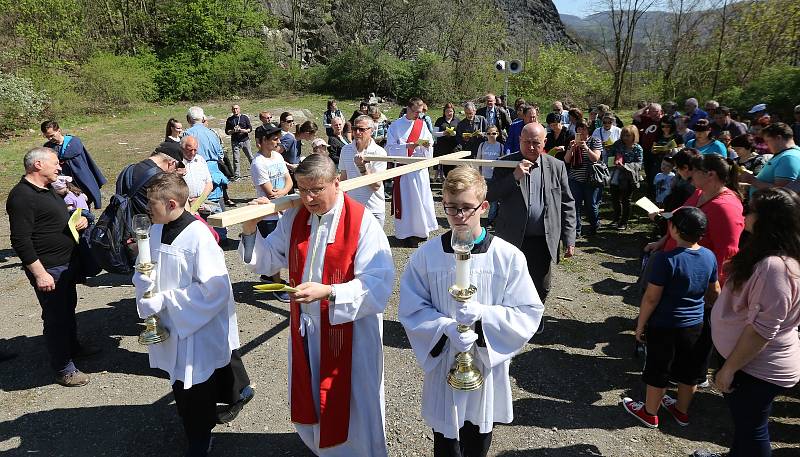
point(230, 202)
point(227, 414)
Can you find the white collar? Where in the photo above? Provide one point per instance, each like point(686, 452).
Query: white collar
point(331, 218)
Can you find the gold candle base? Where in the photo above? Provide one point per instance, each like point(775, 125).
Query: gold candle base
point(464, 375)
point(154, 332)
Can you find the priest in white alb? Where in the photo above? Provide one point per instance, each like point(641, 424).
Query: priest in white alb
point(412, 200)
point(340, 262)
point(502, 316)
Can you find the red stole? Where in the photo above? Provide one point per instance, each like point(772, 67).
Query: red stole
point(336, 341)
point(397, 203)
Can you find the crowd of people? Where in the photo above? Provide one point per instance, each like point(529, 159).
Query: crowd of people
point(721, 281)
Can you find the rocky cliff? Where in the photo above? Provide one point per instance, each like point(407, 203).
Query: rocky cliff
point(320, 28)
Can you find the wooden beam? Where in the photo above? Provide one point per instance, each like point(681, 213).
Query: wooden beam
point(473, 162)
point(250, 212)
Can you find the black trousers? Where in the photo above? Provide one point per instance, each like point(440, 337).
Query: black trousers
point(58, 316)
point(197, 405)
point(470, 443)
point(539, 262)
point(621, 202)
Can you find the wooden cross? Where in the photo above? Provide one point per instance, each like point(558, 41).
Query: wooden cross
point(411, 164)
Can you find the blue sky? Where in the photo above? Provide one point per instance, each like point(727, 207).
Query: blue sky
point(580, 8)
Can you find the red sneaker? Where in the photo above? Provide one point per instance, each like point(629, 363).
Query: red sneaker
point(636, 409)
point(669, 404)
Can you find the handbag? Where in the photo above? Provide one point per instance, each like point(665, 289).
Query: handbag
point(599, 175)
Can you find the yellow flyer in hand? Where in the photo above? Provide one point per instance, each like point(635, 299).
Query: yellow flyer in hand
point(73, 221)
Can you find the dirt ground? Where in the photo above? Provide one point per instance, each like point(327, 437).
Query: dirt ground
point(567, 382)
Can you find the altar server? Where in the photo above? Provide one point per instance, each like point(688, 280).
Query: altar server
point(412, 200)
point(340, 262)
point(503, 315)
point(193, 298)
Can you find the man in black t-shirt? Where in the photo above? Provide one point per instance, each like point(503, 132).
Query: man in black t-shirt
point(41, 237)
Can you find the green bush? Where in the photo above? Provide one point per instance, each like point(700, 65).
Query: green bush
point(359, 70)
point(777, 86)
point(20, 102)
point(110, 81)
point(561, 74)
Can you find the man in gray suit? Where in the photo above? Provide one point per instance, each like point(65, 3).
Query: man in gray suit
point(537, 210)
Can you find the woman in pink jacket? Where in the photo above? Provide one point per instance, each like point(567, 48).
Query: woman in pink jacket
point(754, 321)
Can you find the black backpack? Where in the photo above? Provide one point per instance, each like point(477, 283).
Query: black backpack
point(109, 236)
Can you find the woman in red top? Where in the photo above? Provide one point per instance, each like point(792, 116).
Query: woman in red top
point(717, 195)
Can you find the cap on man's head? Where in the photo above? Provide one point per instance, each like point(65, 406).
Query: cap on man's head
point(319, 142)
point(267, 131)
point(553, 118)
point(797, 109)
point(758, 108)
point(689, 221)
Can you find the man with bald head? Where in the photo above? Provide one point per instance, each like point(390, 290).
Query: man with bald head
point(537, 211)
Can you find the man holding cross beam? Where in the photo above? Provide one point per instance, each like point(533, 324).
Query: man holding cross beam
point(412, 200)
point(341, 267)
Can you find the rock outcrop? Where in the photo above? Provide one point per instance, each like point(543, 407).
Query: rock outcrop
point(320, 27)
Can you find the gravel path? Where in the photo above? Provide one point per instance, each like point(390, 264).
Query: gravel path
point(567, 382)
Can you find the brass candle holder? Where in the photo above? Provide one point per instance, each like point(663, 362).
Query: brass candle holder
point(154, 332)
point(464, 375)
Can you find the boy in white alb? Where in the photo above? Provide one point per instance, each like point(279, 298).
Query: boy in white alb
point(193, 298)
point(503, 315)
point(352, 165)
point(271, 179)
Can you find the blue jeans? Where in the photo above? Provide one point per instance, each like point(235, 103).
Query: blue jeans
point(751, 404)
point(587, 197)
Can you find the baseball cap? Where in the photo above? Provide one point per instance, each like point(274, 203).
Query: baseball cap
point(319, 142)
point(758, 108)
point(267, 130)
point(688, 220)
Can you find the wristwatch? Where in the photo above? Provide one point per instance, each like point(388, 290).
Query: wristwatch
point(332, 295)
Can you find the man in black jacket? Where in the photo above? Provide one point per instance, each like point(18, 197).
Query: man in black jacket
point(238, 127)
point(42, 239)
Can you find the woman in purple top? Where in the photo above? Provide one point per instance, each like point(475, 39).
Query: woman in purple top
point(754, 321)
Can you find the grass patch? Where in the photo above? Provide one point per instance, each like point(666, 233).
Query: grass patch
point(115, 140)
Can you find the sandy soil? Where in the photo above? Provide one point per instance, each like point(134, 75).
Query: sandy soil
point(567, 382)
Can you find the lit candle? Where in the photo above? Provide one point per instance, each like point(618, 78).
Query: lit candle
point(462, 272)
point(141, 228)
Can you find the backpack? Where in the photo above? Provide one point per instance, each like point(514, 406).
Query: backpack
point(109, 236)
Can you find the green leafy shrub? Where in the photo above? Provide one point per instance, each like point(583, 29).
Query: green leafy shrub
point(20, 102)
point(111, 81)
point(778, 87)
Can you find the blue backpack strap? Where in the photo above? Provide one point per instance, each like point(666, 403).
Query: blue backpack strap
point(143, 179)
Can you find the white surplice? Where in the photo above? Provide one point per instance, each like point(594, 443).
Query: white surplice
point(419, 215)
point(199, 310)
point(509, 320)
point(361, 301)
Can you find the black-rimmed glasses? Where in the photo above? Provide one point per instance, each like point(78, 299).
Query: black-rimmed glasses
point(455, 211)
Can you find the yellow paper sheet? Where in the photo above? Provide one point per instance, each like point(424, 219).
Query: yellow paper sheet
point(73, 221)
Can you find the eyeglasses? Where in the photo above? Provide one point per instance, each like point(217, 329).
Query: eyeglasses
point(289, 121)
point(312, 192)
point(454, 211)
point(362, 129)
